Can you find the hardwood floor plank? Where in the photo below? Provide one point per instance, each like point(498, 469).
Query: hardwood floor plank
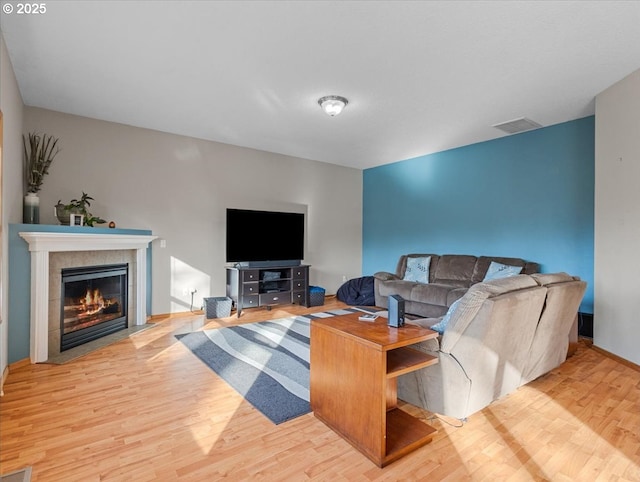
point(147, 409)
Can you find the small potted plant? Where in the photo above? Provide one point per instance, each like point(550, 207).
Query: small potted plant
point(77, 206)
point(39, 152)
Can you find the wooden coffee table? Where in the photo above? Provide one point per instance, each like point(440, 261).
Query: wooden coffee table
point(354, 370)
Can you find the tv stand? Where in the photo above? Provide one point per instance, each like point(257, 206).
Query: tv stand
point(251, 286)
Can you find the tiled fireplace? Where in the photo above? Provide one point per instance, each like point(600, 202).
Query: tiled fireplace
point(74, 266)
point(80, 257)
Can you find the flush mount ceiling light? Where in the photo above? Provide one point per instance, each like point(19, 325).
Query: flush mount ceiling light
point(332, 104)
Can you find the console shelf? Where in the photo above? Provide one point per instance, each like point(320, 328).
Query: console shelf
point(250, 287)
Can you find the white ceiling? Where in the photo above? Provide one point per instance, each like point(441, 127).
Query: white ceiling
point(420, 77)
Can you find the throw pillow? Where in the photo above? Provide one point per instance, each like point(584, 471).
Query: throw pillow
point(442, 324)
point(417, 270)
point(499, 270)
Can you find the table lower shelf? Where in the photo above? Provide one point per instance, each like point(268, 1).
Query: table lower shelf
point(405, 433)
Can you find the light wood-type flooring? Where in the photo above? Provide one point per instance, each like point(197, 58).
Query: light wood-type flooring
point(146, 409)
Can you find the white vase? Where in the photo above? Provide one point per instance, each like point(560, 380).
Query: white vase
point(31, 209)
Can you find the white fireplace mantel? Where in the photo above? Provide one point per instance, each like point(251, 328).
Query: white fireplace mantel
point(43, 243)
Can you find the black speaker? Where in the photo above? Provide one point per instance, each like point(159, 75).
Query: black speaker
point(585, 325)
point(396, 311)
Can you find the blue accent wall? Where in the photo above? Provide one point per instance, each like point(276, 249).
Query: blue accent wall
point(19, 305)
point(529, 195)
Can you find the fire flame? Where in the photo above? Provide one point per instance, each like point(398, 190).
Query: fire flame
point(93, 302)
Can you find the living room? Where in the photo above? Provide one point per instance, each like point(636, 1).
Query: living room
point(549, 195)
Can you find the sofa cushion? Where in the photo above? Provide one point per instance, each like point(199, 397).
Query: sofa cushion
point(551, 278)
point(455, 294)
point(402, 263)
point(483, 262)
point(455, 270)
point(417, 269)
point(396, 287)
point(432, 293)
point(499, 270)
point(444, 322)
point(425, 310)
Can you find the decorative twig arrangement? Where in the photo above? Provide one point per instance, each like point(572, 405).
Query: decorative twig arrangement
point(39, 152)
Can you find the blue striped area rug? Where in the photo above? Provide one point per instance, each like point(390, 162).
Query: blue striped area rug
point(267, 362)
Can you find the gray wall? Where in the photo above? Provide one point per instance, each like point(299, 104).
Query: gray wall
point(617, 221)
point(11, 192)
point(180, 187)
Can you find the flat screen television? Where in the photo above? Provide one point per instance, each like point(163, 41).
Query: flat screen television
point(264, 237)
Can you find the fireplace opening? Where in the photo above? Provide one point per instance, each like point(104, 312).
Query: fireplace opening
point(94, 303)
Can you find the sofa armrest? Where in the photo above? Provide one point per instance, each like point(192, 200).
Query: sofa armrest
point(431, 346)
point(379, 279)
point(385, 276)
point(425, 322)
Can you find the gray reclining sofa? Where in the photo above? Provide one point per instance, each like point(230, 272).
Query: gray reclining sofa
point(449, 278)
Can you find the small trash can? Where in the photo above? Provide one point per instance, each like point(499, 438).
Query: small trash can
point(316, 296)
point(218, 306)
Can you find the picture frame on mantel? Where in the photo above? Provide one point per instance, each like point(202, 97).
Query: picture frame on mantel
point(76, 219)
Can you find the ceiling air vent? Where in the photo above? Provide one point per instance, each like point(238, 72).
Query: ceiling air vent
point(517, 125)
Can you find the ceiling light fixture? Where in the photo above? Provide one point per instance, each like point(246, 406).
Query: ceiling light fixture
point(332, 104)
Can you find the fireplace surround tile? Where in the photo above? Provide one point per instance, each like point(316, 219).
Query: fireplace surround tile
point(54, 342)
point(76, 259)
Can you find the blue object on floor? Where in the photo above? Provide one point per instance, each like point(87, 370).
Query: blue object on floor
point(358, 292)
